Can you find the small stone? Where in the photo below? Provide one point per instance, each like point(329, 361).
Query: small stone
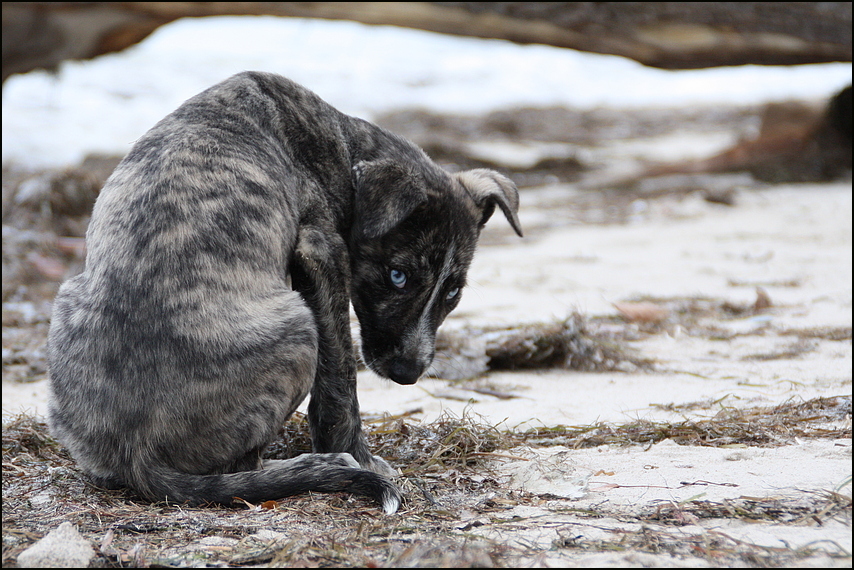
point(63, 547)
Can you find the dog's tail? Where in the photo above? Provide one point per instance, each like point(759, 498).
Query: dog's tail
point(321, 472)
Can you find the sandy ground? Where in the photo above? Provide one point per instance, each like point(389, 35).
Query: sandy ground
point(792, 241)
point(795, 242)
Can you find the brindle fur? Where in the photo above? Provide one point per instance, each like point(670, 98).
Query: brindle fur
point(222, 256)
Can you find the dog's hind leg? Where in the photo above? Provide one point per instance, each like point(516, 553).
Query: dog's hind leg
point(204, 392)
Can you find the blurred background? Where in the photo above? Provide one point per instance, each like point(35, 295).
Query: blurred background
point(602, 113)
point(90, 78)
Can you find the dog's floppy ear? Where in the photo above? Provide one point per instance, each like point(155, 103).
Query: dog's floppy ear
point(489, 188)
point(386, 193)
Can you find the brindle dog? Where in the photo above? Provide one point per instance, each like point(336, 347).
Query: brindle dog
point(223, 254)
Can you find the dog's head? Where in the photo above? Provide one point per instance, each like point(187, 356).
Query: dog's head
point(413, 239)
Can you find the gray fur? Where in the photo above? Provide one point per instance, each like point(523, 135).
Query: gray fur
point(223, 253)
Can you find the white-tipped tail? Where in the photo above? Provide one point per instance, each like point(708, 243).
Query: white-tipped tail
point(391, 503)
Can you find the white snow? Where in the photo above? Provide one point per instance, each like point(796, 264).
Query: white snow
point(104, 104)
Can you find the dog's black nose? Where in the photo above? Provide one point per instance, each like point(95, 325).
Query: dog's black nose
point(405, 371)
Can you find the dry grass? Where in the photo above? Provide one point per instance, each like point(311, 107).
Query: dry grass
point(826, 505)
point(447, 480)
point(714, 546)
point(42, 487)
point(695, 316)
point(760, 426)
point(448, 443)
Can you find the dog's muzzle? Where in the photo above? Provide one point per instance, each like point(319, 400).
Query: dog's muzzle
point(405, 371)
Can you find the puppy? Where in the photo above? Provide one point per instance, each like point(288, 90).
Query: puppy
point(223, 254)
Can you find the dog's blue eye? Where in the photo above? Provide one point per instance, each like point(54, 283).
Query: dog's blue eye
point(398, 278)
point(452, 293)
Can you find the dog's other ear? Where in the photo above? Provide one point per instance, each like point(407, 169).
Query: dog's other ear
point(489, 188)
point(386, 193)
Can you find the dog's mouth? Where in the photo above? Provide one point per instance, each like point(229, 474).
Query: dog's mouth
point(402, 358)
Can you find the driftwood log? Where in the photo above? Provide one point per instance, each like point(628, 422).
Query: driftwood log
point(796, 143)
point(672, 35)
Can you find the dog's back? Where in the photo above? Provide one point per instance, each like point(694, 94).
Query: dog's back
point(179, 351)
point(222, 254)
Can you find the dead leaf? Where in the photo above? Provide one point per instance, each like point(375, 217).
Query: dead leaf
point(643, 312)
point(106, 544)
point(269, 505)
point(245, 502)
point(763, 301)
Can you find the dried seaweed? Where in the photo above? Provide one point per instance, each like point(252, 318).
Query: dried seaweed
point(447, 473)
point(26, 435)
point(450, 442)
point(805, 510)
point(824, 333)
point(453, 442)
point(789, 351)
point(568, 344)
point(696, 315)
point(760, 426)
point(717, 547)
point(43, 487)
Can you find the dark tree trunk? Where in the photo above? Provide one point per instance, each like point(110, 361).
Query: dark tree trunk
point(672, 35)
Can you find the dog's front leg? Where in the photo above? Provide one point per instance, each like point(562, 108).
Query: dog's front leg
point(321, 273)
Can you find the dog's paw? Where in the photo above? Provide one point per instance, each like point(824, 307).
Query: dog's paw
point(343, 459)
point(339, 459)
point(381, 467)
point(310, 460)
